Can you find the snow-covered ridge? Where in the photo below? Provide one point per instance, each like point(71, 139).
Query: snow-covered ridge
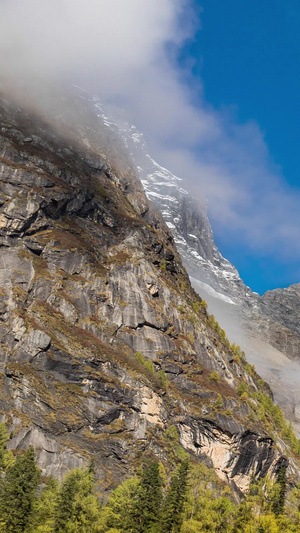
point(190, 227)
point(187, 221)
point(253, 322)
point(209, 290)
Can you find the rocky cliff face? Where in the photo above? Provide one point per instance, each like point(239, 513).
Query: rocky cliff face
point(282, 306)
point(266, 327)
point(104, 345)
point(187, 219)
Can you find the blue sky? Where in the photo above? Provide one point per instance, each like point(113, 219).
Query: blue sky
point(247, 55)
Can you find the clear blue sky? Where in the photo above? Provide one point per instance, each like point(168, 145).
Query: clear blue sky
point(248, 54)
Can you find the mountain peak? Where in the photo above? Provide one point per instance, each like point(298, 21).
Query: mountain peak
point(104, 343)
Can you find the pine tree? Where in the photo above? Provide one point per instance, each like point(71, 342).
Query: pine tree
point(172, 508)
point(78, 509)
point(18, 492)
point(278, 497)
point(66, 499)
point(3, 441)
point(44, 510)
point(6, 457)
point(121, 512)
point(245, 517)
point(150, 497)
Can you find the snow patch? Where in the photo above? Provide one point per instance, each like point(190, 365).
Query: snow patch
point(209, 290)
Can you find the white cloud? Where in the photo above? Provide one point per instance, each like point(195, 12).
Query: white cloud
point(124, 50)
point(111, 38)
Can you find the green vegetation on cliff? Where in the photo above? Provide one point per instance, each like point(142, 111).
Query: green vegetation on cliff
point(191, 499)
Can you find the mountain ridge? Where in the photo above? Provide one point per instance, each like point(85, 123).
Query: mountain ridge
point(104, 343)
point(267, 323)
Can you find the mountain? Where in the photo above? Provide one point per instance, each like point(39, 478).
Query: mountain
point(106, 350)
point(266, 327)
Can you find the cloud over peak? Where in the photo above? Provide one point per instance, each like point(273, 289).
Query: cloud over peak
point(126, 53)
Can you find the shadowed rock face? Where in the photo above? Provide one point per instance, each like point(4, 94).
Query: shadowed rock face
point(89, 275)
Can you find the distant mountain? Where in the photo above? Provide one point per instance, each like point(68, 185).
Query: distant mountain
point(267, 327)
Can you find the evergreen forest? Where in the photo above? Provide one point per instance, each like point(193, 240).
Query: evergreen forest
point(189, 499)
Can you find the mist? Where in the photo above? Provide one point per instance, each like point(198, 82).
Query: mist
point(280, 372)
point(127, 54)
point(98, 43)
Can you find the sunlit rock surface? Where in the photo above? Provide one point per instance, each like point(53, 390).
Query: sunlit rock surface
point(266, 327)
point(103, 342)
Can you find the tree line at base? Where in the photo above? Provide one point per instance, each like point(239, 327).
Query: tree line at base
point(190, 500)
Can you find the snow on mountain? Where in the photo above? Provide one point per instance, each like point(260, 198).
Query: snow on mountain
point(188, 223)
point(211, 274)
point(207, 288)
point(249, 320)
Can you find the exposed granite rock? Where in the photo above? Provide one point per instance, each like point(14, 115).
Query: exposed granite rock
point(234, 454)
point(282, 308)
point(89, 275)
point(35, 342)
point(267, 327)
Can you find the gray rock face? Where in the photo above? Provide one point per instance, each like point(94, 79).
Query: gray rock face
point(186, 219)
point(266, 327)
point(32, 344)
point(103, 342)
point(283, 306)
